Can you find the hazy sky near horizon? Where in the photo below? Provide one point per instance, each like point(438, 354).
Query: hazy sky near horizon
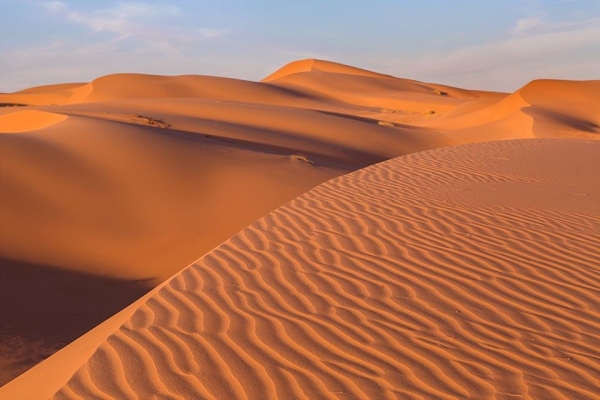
point(492, 44)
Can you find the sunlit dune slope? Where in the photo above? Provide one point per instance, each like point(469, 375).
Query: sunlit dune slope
point(463, 272)
point(28, 120)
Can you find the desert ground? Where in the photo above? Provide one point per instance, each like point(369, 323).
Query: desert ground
point(327, 232)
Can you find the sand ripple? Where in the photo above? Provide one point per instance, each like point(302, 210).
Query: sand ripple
point(416, 278)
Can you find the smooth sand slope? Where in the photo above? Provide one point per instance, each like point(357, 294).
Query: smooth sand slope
point(108, 188)
point(463, 272)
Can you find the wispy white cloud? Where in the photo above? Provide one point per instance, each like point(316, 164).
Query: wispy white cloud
point(211, 33)
point(136, 20)
point(124, 19)
point(526, 24)
point(128, 37)
point(539, 25)
point(531, 48)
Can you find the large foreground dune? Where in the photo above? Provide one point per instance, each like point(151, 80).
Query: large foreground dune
point(110, 187)
point(463, 272)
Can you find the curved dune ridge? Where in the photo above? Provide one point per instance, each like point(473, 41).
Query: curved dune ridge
point(296, 67)
point(45, 95)
point(462, 272)
point(542, 108)
point(28, 120)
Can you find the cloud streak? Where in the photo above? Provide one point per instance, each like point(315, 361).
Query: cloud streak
point(529, 47)
point(136, 20)
point(154, 36)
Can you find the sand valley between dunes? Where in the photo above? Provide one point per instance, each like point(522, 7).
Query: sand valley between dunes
point(347, 235)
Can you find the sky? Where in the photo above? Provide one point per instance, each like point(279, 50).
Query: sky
point(493, 44)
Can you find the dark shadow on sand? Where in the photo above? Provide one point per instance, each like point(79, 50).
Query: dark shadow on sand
point(42, 309)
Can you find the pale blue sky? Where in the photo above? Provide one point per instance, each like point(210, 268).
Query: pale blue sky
point(491, 44)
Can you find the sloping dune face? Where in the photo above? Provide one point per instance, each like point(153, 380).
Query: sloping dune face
point(463, 272)
point(319, 65)
point(563, 107)
point(28, 120)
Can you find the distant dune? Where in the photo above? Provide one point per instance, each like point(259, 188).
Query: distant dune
point(109, 188)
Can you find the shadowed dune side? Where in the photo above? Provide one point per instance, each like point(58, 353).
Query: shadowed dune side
point(102, 183)
point(487, 119)
point(569, 97)
point(462, 272)
point(566, 108)
point(157, 196)
point(38, 305)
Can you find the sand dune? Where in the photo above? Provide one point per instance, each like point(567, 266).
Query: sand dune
point(563, 107)
point(311, 65)
point(546, 108)
point(157, 177)
point(464, 272)
point(120, 182)
point(366, 89)
point(28, 120)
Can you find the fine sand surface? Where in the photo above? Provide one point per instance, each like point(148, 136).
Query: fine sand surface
point(108, 188)
point(463, 272)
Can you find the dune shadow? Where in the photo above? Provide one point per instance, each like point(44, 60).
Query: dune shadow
point(541, 126)
point(13, 105)
point(43, 308)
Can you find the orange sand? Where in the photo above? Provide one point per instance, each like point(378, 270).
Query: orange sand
point(110, 187)
point(465, 272)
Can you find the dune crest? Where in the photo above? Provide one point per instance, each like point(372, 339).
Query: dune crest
point(44, 95)
point(28, 120)
point(440, 274)
point(308, 65)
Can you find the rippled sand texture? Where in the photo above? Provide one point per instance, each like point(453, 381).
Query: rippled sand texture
point(462, 272)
